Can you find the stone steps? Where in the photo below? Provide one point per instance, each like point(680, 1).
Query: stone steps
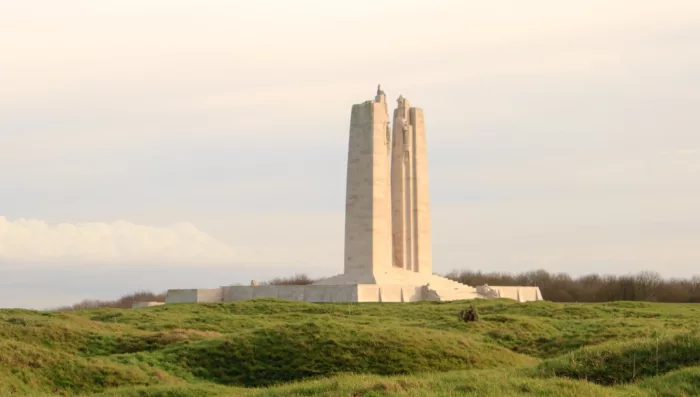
point(443, 282)
point(454, 295)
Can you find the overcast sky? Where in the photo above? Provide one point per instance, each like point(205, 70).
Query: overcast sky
point(153, 144)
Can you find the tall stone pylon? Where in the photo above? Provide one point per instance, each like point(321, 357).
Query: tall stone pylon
point(412, 246)
point(368, 229)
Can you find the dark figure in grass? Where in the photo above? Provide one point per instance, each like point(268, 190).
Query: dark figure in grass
point(470, 314)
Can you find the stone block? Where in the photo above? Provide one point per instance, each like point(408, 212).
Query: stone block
point(367, 293)
point(344, 293)
point(181, 296)
point(520, 294)
point(390, 293)
point(291, 292)
point(529, 294)
point(210, 295)
point(265, 291)
point(507, 292)
point(237, 293)
point(319, 293)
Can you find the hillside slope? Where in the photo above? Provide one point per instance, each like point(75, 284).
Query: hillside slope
point(297, 348)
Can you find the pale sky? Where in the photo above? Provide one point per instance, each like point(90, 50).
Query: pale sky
point(153, 144)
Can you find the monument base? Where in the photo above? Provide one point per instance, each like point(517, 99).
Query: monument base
point(405, 287)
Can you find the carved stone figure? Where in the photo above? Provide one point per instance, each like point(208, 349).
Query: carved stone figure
point(388, 136)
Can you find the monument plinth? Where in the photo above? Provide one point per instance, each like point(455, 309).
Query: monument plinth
point(388, 253)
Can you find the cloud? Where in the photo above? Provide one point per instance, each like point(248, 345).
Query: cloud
point(36, 240)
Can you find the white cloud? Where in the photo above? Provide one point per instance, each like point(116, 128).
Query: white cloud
point(35, 240)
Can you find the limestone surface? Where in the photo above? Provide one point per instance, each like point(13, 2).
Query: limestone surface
point(368, 192)
point(409, 191)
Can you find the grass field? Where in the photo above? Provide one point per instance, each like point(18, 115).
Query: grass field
point(268, 347)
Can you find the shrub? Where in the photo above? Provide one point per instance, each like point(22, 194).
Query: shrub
point(125, 302)
point(469, 315)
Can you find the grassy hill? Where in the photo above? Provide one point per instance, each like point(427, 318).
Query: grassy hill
point(267, 347)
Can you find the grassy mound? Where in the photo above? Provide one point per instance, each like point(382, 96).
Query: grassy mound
point(621, 362)
point(682, 382)
point(85, 337)
point(201, 390)
point(377, 349)
point(324, 347)
point(26, 368)
point(478, 383)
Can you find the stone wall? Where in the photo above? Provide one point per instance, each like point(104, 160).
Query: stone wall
point(520, 294)
point(349, 293)
point(210, 295)
point(137, 305)
point(181, 296)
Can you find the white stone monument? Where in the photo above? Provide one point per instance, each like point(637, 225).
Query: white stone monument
point(409, 191)
point(388, 254)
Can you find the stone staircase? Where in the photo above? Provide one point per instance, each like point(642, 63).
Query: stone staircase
point(449, 290)
point(439, 288)
point(446, 282)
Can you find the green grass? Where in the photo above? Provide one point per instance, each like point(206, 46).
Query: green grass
point(609, 363)
point(268, 347)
